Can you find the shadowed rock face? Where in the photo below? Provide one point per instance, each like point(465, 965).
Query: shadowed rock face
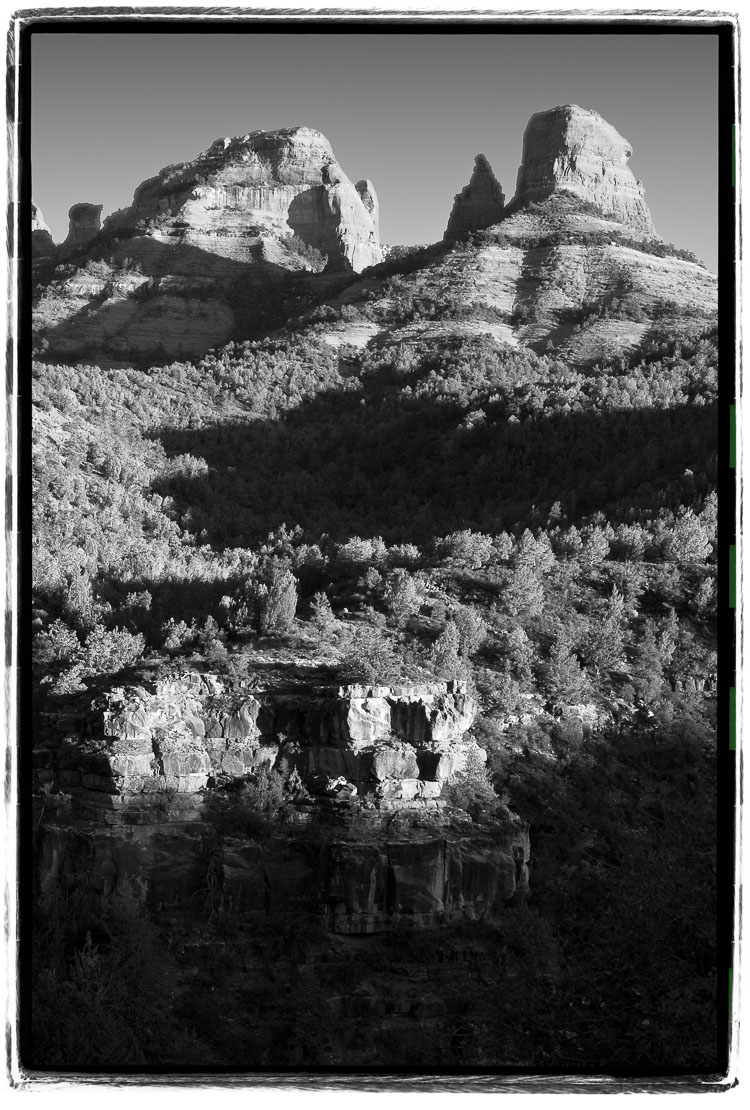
point(276, 183)
point(479, 204)
point(85, 221)
point(572, 149)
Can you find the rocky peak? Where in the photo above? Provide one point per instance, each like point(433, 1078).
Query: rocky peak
point(42, 243)
point(573, 150)
point(265, 183)
point(479, 204)
point(85, 221)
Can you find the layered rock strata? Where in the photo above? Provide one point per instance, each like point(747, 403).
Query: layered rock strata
point(371, 846)
point(191, 731)
point(479, 204)
point(277, 183)
point(571, 149)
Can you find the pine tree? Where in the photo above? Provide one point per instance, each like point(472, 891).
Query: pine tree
point(566, 682)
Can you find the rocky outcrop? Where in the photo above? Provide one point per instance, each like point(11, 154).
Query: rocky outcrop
point(393, 743)
point(573, 150)
point(42, 243)
point(266, 183)
point(85, 221)
point(372, 882)
point(371, 845)
point(479, 204)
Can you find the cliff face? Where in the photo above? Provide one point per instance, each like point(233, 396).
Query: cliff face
point(205, 248)
point(277, 183)
point(573, 150)
point(136, 800)
point(189, 732)
point(479, 204)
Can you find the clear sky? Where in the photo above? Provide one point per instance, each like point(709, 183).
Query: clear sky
point(408, 111)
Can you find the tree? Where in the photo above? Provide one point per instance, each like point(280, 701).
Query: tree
point(467, 548)
point(445, 652)
point(689, 541)
point(648, 666)
point(402, 597)
point(108, 651)
point(277, 598)
point(565, 680)
point(524, 594)
point(472, 630)
point(595, 546)
point(370, 658)
point(606, 641)
point(322, 613)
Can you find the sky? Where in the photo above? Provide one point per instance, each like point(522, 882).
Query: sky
point(409, 111)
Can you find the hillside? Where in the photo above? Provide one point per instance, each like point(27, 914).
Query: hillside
point(375, 650)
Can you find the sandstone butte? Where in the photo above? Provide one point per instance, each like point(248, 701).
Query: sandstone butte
point(185, 268)
point(275, 183)
point(573, 150)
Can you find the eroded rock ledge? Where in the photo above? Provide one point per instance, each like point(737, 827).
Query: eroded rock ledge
point(133, 801)
point(192, 731)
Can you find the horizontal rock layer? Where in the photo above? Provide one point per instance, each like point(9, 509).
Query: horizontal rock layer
point(192, 730)
point(363, 885)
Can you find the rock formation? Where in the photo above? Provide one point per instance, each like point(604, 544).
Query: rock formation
point(266, 183)
point(85, 221)
point(395, 743)
point(573, 150)
point(42, 243)
point(134, 799)
point(479, 204)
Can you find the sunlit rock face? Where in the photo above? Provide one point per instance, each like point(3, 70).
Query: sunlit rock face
point(188, 732)
point(571, 149)
point(276, 183)
point(479, 204)
point(42, 243)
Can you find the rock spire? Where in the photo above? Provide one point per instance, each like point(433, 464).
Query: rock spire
point(479, 204)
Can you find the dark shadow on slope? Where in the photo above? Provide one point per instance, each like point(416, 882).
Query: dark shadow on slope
point(377, 461)
point(259, 296)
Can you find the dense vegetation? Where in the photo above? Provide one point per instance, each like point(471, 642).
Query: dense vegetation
point(452, 507)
